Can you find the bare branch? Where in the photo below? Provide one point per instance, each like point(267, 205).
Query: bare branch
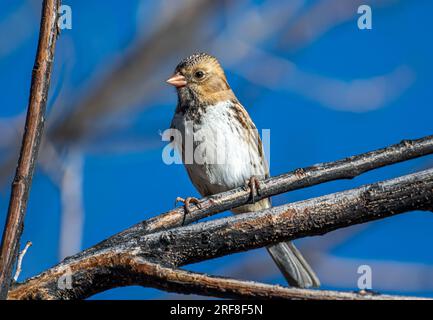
point(92, 270)
point(20, 260)
point(141, 272)
point(180, 281)
point(30, 144)
point(310, 217)
point(301, 178)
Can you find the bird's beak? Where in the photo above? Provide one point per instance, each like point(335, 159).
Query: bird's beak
point(177, 80)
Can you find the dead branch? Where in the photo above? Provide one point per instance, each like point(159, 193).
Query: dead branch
point(20, 260)
point(146, 273)
point(347, 168)
point(185, 282)
point(99, 268)
point(30, 144)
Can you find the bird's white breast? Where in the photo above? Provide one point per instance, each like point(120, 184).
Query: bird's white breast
point(223, 158)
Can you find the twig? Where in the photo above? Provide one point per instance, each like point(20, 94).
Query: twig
point(97, 269)
point(30, 144)
point(20, 259)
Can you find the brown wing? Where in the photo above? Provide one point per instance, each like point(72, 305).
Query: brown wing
point(246, 122)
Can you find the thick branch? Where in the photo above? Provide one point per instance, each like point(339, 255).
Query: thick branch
point(180, 246)
point(310, 217)
point(30, 143)
point(137, 271)
point(185, 282)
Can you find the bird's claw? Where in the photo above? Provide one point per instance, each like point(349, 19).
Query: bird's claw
point(253, 184)
point(186, 202)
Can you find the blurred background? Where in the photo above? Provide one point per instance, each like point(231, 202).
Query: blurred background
point(303, 69)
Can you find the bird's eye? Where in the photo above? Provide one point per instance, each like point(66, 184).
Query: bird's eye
point(199, 74)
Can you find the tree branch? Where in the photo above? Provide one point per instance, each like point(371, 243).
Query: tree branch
point(20, 260)
point(347, 168)
point(30, 143)
point(185, 282)
point(137, 271)
point(100, 267)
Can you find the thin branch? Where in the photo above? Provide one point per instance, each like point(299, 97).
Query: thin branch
point(20, 260)
point(92, 270)
point(347, 168)
point(185, 282)
point(30, 143)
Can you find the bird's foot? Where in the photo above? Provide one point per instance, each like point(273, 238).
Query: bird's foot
point(253, 184)
point(186, 202)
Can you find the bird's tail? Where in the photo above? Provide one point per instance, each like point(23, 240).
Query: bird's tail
point(292, 264)
point(288, 259)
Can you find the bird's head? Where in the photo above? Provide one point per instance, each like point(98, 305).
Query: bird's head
point(200, 79)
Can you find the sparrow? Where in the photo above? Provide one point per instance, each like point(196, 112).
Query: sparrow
point(226, 150)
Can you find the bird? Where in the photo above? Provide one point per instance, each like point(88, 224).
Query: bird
point(226, 151)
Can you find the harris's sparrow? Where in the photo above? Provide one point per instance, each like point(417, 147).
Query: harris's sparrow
point(226, 149)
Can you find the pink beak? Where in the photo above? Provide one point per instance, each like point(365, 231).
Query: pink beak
point(177, 80)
